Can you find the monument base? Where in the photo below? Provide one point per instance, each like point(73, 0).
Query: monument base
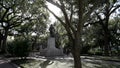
point(51, 50)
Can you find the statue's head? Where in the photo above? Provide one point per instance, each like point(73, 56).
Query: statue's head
point(51, 25)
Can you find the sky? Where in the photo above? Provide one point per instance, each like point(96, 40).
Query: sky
point(55, 10)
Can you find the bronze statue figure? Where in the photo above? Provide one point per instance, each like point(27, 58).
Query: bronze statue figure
point(52, 31)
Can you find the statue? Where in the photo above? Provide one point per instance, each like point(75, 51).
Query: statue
point(51, 50)
point(52, 31)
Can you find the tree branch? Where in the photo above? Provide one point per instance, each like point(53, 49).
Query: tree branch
point(101, 21)
point(114, 9)
point(56, 16)
point(66, 17)
point(71, 15)
point(1, 4)
point(54, 3)
point(64, 24)
point(5, 13)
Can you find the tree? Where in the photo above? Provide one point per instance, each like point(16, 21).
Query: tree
point(105, 9)
point(74, 30)
point(9, 18)
point(83, 12)
point(15, 13)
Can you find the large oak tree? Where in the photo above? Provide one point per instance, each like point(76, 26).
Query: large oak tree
point(14, 13)
point(70, 8)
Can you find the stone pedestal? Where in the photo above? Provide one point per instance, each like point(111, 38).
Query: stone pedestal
point(51, 50)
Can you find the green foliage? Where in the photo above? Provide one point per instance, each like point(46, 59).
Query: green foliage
point(95, 51)
point(19, 47)
point(61, 37)
point(22, 17)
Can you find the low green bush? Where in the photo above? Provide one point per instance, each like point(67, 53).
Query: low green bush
point(19, 48)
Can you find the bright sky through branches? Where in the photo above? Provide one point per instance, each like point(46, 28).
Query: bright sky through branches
point(55, 10)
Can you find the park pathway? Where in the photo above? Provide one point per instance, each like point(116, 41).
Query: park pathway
point(5, 63)
point(66, 62)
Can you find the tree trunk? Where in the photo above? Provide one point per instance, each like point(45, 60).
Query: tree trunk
point(76, 55)
point(0, 43)
point(4, 44)
point(106, 42)
point(76, 50)
point(118, 50)
point(34, 43)
point(78, 35)
point(106, 30)
point(75, 43)
point(77, 60)
point(1, 37)
point(106, 47)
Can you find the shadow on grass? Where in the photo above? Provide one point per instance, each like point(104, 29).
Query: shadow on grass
point(46, 63)
point(32, 63)
point(19, 62)
point(100, 64)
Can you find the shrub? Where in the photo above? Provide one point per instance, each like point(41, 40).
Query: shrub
point(19, 48)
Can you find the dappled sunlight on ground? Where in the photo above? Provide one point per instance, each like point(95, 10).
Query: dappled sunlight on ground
point(2, 60)
point(61, 62)
point(67, 62)
point(88, 63)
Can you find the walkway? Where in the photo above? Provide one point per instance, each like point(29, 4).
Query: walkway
point(5, 63)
